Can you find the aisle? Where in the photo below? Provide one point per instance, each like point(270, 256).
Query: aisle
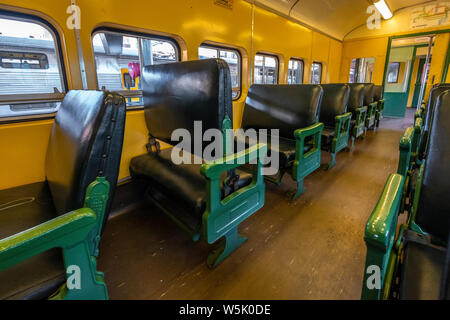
point(312, 248)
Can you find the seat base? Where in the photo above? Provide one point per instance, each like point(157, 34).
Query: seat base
point(421, 272)
point(39, 277)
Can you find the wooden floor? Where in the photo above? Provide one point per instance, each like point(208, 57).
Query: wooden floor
point(312, 248)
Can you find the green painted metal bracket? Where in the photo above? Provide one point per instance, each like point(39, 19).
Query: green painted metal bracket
point(379, 114)
point(418, 131)
point(222, 217)
point(341, 135)
point(77, 233)
point(379, 235)
point(405, 151)
point(306, 163)
point(360, 123)
point(371, 115)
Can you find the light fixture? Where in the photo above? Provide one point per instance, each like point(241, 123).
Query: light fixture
point(383, 9)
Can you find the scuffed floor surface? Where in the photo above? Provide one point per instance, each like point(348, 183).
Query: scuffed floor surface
point(312, 248)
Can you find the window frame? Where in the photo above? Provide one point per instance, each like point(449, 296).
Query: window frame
point(303, 69)
point(139, 36)
point(18, 99)
point(321, 72)
point(239, 55)
point(277, 63)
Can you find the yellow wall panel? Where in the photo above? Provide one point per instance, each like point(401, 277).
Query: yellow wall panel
point(441, 45)
point(23, 148)
point(365, 48)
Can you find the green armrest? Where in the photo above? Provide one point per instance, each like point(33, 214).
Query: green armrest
point(223, 216)
point(341, 136)
point(418, 130)
point(360, 120)
point(379, 237)
point(77, 233)
point(405, 151)
point(63, 231)
point(305, 163)
point(341, 132)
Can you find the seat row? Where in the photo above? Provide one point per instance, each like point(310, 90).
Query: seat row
point(206, 191)
point(412, 261)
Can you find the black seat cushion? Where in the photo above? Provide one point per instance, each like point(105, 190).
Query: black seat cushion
point(282, 107)
point(356, 98)
point(432, 99)
point(285, 151)
point(377, 93)
point(22, 208)
point(368, 94)
point(178, 94)
point(421, 272)
point(433, 212)
point(327, 135)
point(334, 102)
point(180, 182)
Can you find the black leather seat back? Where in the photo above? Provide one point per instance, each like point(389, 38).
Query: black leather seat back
point(368, 94)
point(433, 213)
point(356, 99)
point(283, 107)
point(177, 94)
point(85, 142)
point(377, 93)
point(435, 91)
point(334, 102)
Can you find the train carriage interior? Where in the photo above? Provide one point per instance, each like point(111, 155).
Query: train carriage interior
point(224, 150)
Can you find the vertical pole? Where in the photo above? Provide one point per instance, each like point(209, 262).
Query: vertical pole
point(425, 72)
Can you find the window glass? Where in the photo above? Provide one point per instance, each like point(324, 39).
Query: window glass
point(29, 64)
point(266, 69)
point(295, 71)
point(120, 58)
point(232, 57)
point(316, 73)
point(361, 70)
point(393, 72)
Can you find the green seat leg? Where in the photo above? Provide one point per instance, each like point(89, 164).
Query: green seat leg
point(300, 189)
point(333, 161)
point(91, 282)
point(232, 240)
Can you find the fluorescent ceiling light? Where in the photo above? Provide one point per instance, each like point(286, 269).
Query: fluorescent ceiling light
point(383, 9)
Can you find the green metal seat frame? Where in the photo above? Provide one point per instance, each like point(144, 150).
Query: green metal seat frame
point(77, 233)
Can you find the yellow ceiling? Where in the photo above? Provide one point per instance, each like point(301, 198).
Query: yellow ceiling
point(334, 17)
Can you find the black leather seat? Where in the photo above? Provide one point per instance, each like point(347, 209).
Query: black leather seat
point(377, 93)
point(183, 182)
point(421, 272)
point(432, 99)
point(182, 93)
point(334, 103)
point(378, 98)
point(423, 266)
point(285, 108)
point(356, 101)
point(86, 142)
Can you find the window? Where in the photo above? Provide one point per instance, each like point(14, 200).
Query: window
point(295, 71)
point(120, 58)
point(30, 67)
point(361, 70)
point(316, 72)
point(266, 69)
point(393, 72)
point(232, 57)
